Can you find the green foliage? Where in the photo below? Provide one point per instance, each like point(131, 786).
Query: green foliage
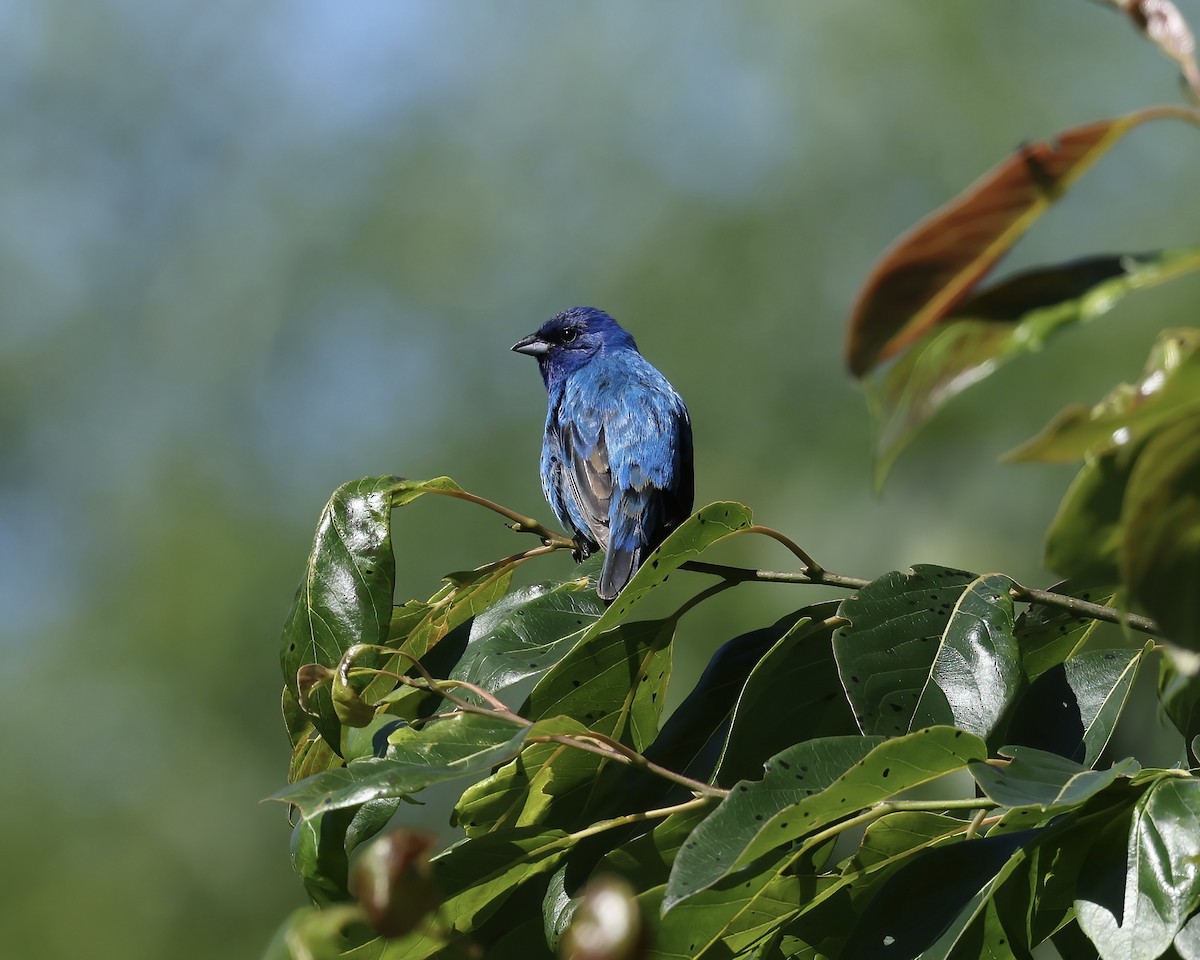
point(919, 769)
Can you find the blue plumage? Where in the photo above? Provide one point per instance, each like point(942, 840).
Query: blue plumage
point(617, 455)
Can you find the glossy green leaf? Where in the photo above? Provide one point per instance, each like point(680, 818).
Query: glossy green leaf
point(977, 671)
point(807, 787)
point(443, 749)
point(1011, 318)
point(1161, 537)
point(1072, 709)
point(792, 694)
point(1101, 681)
point(613, 682)
point(1162, 876)
point(526, 632)
point(1048, 635)
point(1179, 695)
point(1187, 940)
point(932, 645)
point(1034, 778)
point(345, 596)
point(885, 654)
point(1169, 388)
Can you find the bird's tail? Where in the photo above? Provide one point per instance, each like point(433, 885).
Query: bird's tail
point(620, 564)
point(635, 529)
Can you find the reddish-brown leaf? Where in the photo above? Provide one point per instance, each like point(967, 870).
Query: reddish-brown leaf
point(923, 275)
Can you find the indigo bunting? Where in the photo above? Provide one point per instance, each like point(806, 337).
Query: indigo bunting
point(617, 455)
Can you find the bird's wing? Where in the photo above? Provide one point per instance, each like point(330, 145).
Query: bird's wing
point(588, 475)
point(650, 450)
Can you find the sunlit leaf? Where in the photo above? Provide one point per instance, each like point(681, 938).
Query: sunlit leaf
point(986, 331)
point(1034, 778)
point(1170, 386)
point(931, 645)
point(443, 749)
point(312, 934)
point(928, 271)
point(521, 792)
point(697, 533)
point(1161, 876)
point(807, 787)
point(345, 596)
point(526, 632)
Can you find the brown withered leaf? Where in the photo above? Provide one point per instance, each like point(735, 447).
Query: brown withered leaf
point(922, 277)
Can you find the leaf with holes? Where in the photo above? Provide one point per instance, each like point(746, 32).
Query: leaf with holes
point(807, 787)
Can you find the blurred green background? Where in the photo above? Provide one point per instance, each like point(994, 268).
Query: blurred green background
point(251, 251)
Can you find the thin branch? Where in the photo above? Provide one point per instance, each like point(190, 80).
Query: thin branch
point(624, 754)
point(882, 809)
point(1095, 611)
point(812, 568)
point(821, 578)
point(520, 522)
point(658, 814)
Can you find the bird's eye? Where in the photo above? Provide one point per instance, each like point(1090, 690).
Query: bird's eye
point(570, 335)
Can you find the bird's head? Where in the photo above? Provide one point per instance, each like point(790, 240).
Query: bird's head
point(569, 340)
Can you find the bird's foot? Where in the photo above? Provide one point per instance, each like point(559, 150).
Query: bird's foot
point(583, 550)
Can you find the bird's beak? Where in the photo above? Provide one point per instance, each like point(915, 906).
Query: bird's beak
point(532, 345)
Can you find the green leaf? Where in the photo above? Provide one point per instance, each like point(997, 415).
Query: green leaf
point(530, 789)
point(693, 736)
point(932, 645)
point(1072, 709)
point(955, 883)
point(977, 671)
point(1048, 635)
point(1179, 695)
point(312, 934)
point(1169, 388)
point(735, 912)
point(445, 748)
point(1045, 781)
point(807, 787)
point(526, 632)
point(1084, 539)
point(1187, 941)
point(1011, 318)
point(345, 596)
point(709, 525)
point(613, 682)
point(897, 834)
point(1162, 876)
point(792, 694)
point(1161, 537)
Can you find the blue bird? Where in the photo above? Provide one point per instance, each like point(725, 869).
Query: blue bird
point(617, 456)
